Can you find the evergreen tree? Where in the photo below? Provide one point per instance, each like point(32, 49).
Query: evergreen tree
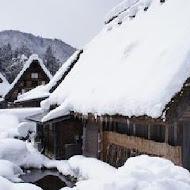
point(6, 55)
point(25, 50)
point(50, 60)
point(22, 50)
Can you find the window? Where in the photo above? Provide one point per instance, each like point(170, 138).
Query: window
point(34, 75)
point(23, 91)
point(43, 82)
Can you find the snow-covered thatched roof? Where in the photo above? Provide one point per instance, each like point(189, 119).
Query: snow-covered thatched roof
point(4, 85)
point(32, 58)
point(131, 68)
point(44, 91)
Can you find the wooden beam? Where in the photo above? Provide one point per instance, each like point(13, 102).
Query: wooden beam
point(166, 134)
point(149, 131)
point(144, 146)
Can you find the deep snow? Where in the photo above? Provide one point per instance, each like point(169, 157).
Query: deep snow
point(138, 173)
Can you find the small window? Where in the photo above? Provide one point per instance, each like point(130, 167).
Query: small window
point(23, 91)
point(34, 75)
point(43, 82)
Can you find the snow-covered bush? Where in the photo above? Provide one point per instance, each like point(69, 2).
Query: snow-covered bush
point(10, 170)
point(5, 184)
point(26, 129)
point(8, 125)
point(138, 173)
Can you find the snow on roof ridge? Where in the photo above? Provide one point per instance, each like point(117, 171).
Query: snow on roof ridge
point(44, 91)
point(33, 57)
point(3, 78)
point(127, 8)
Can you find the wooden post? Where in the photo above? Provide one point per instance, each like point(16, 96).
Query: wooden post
point(186, 145)
point(54, 128)
point(134, 129)
point(101, 141)
point(175, 133)
point(166, 133)
point(149, 131)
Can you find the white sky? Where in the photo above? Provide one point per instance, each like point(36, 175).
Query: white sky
point(73, 21)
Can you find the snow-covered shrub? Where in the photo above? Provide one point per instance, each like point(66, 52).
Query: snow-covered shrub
point(26, 129)
point(8, 126)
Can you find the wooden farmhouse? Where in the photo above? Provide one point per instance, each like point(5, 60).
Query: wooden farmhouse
point(33, 74)
point(129, 92)
point(33, 97)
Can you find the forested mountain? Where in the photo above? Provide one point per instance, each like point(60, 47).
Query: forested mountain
point(16, 47)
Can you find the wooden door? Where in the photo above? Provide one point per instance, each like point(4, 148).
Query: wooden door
point(90, 143)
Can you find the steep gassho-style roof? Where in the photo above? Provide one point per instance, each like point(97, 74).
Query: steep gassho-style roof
point(43, 91)
point(4, 85)
point(133, 67)
point(32, 58)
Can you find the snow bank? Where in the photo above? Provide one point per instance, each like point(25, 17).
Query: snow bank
point(138, 173)
point(44, 91)
point(13, 150)
point(134, 69)
point(7, 185)
point(11, 122)
point(8, 126)
point(21, 153)
point(10, 171)
point(91, 168)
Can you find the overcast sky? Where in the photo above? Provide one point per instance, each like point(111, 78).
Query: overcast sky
point(73, 21)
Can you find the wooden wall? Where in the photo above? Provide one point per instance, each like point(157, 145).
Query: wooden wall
point(62, 139)
point(186, 145)
point(142, 146)
point(115, 140)
point(91, 134)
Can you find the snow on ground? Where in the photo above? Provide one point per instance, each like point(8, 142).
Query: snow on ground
point(10, 170)
point(8, 126)
point(138, 173)
point(132, 70)
point(11, 126)
point(7, 185)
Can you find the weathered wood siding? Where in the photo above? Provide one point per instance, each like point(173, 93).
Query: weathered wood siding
point(62, 139)
point(143, 146)
point(186, 145)
point(90, 139)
